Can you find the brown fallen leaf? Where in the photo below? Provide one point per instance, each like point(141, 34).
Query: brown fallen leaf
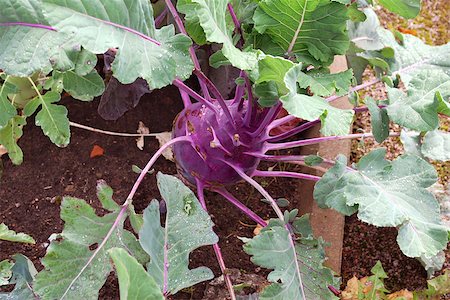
point(403, 294)
point(163, 138)
point(143, 130)
point(97, 151)
point(351, 290)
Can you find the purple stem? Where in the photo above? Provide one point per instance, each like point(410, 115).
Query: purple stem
point(280, 215)
point(236, 22)
point(239, 93)
point(292, 131)
point(247, 211)
point(270, 116)
point(182, 86)
point(216, 247)
point(194, 58)
point(161, 17)
point(202, 77)
point(185, 98)
point(259, 173)
point(126, 204)
point(312, 141)
point(250, 107)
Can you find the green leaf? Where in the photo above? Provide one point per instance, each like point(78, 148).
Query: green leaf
point(70, 269)
point(9, 136)
point(81, 61)
point(285, 75)
point(335, 121)
point(134, 281)
point(171, 245)
point(9, 235)
point(313, 160)
point(406, 8)
point(51, 118)
point(437, 286)
point(98, 27)
point(84, 87)
point(23, 273)
point(7, 110)
point(411, 141)
point(389, 194)
point(314, 28)
point(105, 195)
point(5, 271)
point(325, 84)
point(211, 15)
point(418, 108)
point(379, 119)
point(365, 34)
point(444, 106)
point(272, 249)
point(436, 145)
point(35, 45)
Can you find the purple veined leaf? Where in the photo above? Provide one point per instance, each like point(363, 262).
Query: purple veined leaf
point(119, 98)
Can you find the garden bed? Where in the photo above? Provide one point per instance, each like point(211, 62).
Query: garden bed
point(30, 195)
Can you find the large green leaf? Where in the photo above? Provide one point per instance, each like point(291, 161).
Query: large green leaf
point(9, 136)
point(389, 194)
point(406, 8)
point(23, 273)
point(272, 249)
point(24, 30)
point(51, 118)
point(71, 271)
point(315, 28)
point(417, 109)
point(211, 15)
point(127, 25)
point(134, 282)
point(10, 235)
point(187, 227)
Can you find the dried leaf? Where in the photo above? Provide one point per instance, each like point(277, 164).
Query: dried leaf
point(163, 138)
point(144, 130)
point(407, 31)
point(3, 150)
point(403, 294)
point(97, 151)
point(351, 290)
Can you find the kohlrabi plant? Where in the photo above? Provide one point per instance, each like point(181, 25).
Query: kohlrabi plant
point(281, 51)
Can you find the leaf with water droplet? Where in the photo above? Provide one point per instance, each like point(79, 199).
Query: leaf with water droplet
point(187, 228)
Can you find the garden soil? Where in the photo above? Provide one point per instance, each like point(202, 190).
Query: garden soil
point(30, 195)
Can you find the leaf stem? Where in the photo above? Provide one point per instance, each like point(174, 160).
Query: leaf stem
point(269, 117)
point(217, 94)
point(236, 22)
point(76, 125)
point(250, 108)
point(161, 17)
point(247, 211)
point(182, 86)
point(259, 173)
point(41, 26)
point(292, 132)
point(180, 25)
point(287, 145)
point(125, 205)
point(216, 247)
